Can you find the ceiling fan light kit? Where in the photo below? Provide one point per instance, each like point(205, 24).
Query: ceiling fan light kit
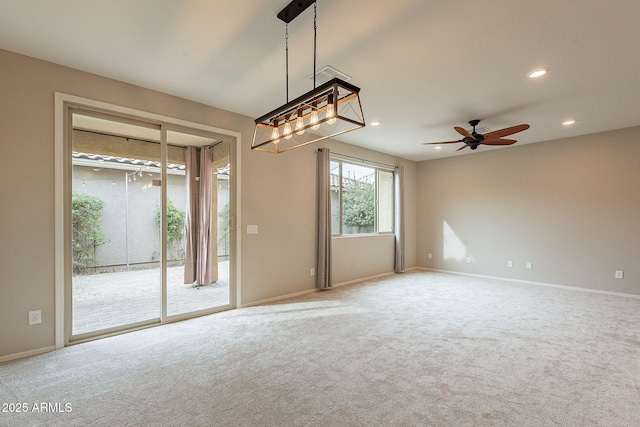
point(328, 110)
point(474, 139)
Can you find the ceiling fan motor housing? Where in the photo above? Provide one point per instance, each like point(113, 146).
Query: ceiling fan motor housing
point(478, 136)
point(473, 143)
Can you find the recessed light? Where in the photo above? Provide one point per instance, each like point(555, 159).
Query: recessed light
point(568, 122)
point(375, 123)
point(438, 147)
point(538, 72)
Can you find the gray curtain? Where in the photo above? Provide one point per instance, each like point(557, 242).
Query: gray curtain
point(191, 214)
point(399, 219)
point(198, 185)
point(323, 270)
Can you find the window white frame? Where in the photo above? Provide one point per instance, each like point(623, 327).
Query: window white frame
point(377, 168)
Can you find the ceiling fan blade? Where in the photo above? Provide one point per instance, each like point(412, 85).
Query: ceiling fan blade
point(445, 142)
point(499, 142)
point(506, 131)
point(462, 148)
point(463, 132)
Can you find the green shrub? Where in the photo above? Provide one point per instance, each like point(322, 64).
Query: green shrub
point(175, 230)
point(359, 204)
point(86, 214)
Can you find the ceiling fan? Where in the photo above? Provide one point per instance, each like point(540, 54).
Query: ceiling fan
point(474, 139)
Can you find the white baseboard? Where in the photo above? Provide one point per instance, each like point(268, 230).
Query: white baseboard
point(269, 300)
point(363, 279)
point(530, 282)
point(29, 353)
point(295, 294)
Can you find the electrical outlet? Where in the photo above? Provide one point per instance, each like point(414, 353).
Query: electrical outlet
point(509, 263)
point(312, 272)
point(430, 255)
point(619, 274)
point(35, 317)
point(529, 266)
point(468, 260)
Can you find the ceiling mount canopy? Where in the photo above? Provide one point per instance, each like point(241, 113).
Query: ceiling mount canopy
point(293, 9)
point(326, 111)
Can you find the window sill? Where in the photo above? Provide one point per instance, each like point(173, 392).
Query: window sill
point(351, 236)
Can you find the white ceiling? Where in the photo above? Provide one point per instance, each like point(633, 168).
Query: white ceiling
point(423, 66)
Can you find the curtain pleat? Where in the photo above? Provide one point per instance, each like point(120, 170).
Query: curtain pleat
point(198, 254)
point(191, 214)
point(205, 254)
point(399, 219)
point(323, 273)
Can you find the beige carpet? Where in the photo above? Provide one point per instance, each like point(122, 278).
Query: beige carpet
point(416, 349)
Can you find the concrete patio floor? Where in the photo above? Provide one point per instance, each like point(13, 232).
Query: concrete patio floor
point(102, 301)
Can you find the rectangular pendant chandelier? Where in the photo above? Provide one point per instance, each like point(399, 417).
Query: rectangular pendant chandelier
point(326, 111)
point(329, 110)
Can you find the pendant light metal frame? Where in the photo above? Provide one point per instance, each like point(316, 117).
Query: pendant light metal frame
point(329, 110)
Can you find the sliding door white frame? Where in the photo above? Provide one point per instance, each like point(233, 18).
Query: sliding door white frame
point(62, 129)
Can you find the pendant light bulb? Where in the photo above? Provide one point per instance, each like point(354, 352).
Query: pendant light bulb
point(299, 123)
point(275, 135)
point(286, 130)
point(314, 120)
point(330, 114)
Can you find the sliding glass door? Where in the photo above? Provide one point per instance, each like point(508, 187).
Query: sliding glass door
point(151, 236)
point(115, 239)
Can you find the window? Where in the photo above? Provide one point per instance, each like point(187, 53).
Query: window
point(361, 199)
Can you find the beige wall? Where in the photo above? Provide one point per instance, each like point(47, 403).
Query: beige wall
point(280, 198)
point(570, 206)
point(278, 195)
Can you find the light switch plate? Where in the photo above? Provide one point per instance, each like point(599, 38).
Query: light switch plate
point(252, 229)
